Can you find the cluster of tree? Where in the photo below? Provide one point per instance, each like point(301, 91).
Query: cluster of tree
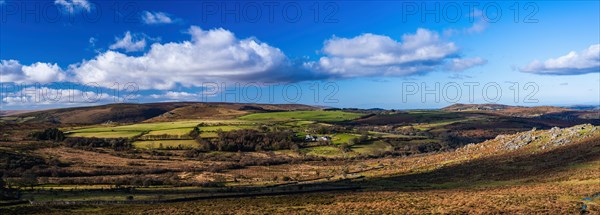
point(331, 129)
point(178, 147)
point(194, 133)
point(411, 131)
point(363, 138)
point(165, 137)
point(7, 193)
point(49, 134)
point(250, 140)
point(454, 140)
point(407, 149)
point(88, 143)
point(119, 182)
point(19, 161)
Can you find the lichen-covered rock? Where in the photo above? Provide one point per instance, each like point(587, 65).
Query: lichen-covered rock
point(549, 138)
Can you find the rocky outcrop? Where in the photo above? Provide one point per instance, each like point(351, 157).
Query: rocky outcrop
point(547, 138)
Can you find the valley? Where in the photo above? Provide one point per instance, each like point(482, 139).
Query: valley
point(312, 159)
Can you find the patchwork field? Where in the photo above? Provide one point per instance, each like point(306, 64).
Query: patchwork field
point(106, 134)
point(389, 160)
point(127, 131)
point(176, 131)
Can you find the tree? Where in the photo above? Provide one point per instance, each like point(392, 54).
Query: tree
point(2, 186)
point(345, 147)
point(28, 179)
point(49, 134)
point(2, 183)
point(194, 133)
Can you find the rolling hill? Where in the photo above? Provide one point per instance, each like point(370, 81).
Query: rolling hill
point(151, 112)
point(525, 112)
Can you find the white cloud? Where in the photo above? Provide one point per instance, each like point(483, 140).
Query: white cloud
point(92, 41)
point(210, 55)
point(156, 18)
point(173, 95)
point(573, 63)
point(458, 64)
point(378, 55)
point(479, 25)
point(45, 96)
point(72, 6)
point(217, 55)
point(13, 71)
point(43, 72)
point(129, 43)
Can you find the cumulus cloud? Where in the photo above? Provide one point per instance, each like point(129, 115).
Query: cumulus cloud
point(573, 63)
point(156, 18)
point(13, 71)
point(479, 25)
point(72, 6)
point(129, 43)
point(173, 95)
point(378, 55)
point(458, 64)
point(45, 96)
point(217, 55)
point(210, 55)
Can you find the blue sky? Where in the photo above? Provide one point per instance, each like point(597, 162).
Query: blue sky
point(362, 54)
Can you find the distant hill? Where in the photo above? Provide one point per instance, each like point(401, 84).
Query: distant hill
point(223, 110)
point(507, 110)
point(472, 107)
point(131, 113)
point(13, 112)
point(584, 107)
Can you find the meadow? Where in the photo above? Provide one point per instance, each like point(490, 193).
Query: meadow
point(128, 131)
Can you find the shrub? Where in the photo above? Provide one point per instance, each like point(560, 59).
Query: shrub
point(250, 140)
point(49, 134)
point(113, 143)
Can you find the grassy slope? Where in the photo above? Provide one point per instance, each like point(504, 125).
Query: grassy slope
point(126, 131)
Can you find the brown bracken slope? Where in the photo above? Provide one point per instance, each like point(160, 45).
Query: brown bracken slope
point(131, 113)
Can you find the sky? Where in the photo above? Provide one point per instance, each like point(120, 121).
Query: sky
point(362, 54)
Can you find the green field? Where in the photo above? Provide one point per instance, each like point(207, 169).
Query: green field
point(209, 134)
point(156, 144)
point(342, 138)
point(142, 127)
point(223, 128)
point(176, 131)
point(373, 148)
point(321, 116)
point(106, 134)
point(325, 151)
point(159, 128)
